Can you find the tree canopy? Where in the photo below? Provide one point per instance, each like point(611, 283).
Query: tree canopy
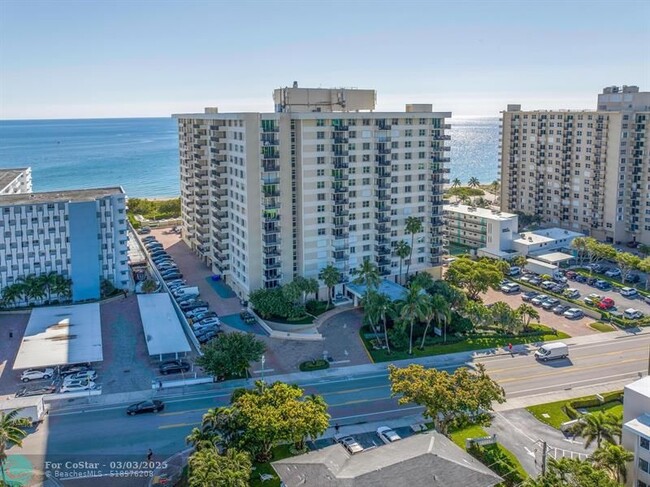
point(231, 354)
point(475, 277)
point(207, 468)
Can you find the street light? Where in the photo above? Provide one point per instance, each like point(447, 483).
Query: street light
point(263, 360)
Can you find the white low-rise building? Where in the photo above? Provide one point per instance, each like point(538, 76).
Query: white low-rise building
point(13, 181)
point(636, 431)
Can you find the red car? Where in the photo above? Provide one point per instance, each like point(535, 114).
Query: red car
point(606, 303)
point(570, 274)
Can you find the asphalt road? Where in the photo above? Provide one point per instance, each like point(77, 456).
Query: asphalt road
point(108, 435)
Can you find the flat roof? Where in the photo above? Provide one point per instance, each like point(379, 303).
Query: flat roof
point(315, 115)
point(479, 212)
point(60, 335)
point(642, 386)
point(554, 257)
point(540, 262)
point(9, 175)
point(59, 196)
point(640, 425)
point(546, 235)
point(162, 329)
point(391, 289)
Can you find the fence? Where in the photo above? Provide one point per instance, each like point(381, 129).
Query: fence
point(484, 440)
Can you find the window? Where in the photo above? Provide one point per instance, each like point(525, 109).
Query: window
point(366, 146)
point(320, 123)
point(644, 443)
point(320, 184)
point(643, 465)
point(320, 135)
point(320, 172)
point(320, 208)
point(320, 147)
point(321, 231)
point(321, 220)
point(320, 160)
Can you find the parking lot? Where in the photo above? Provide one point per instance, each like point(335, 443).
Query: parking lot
point(622, 303)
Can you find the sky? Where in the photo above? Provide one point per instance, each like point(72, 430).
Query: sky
point(100, 58)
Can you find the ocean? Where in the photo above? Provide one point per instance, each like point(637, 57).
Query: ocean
point(141, 154)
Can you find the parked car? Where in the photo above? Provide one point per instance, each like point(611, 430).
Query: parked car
point(558, 288)
point(591, 281)
point(550, 303)
point(572, 293)
point(592, 299)
point(606, 303)
point(596, 267)
point(207, 336)
point(144, 230)
point(535, 280)
point(560, 309)
point(205, 314)
point(35, 391)
point(547, 285)
point(570, 274)
point(149, 238)
point(512, 287)
point(580, 278)
point(613, 272)
point(174, 367)
point(212, 321)
point(350, 444)
point(36, 374)
point(514, 271)
point(629, 292)
point(539, 299)
point(192, 314)
point(169, 277)
point(387, 435)
point(632, 314)
point(526, 278)
point(559, 278)
point(152, 406)
point(633, 278)
point(529, 295)
point(77, 386)
point(603, 285)
point(573, 313)
point(74, 368)
point(193, 305)
point(84, 375)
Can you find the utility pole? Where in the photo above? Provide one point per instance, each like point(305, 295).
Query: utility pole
point(263, 360)
point(543, 458)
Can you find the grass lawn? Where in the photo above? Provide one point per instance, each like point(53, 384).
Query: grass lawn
point(279, 452)
point(556, 413)
point(602, 327)
point(472, 343)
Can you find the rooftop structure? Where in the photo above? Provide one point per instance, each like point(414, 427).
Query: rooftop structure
point(73, 195)
point(321, 180)
point(427, 459)
point(18, 180)
point(162, 329)
point(636, 430)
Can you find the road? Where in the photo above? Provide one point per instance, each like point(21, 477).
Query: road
point(107, 435)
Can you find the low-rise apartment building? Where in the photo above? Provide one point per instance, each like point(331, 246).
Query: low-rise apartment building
point(79, 234)
point(324, 179)
point(587, 171)
point(636, 431)
point(17, 180)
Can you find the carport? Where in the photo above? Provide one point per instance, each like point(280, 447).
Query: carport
point(61, 335)
point(555, 258)
point(163, 331)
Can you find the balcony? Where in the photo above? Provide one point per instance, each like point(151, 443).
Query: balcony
point(272, 275)
point(270, 251)
point(271, 228)
point(271, 217)
point(221, 246)
point(340, 128)
point(270, 153)
point(340, 140)
point(270, 240)
point(384, 271)
point(341, 235)
point(269, 141)
point(340, 176)
point(340, 189)
point(270, 166)
point(268, 180)
point(340, 153)
point(341, 212)
point(382, 195)
point(271, 203)
point(382, 228)
point(383, 150)
point(383, 261)
point(340, 200)
point(382, 250)
point(269, 128)
point(340, 255)
point(384, 126)
point(382, 161)
point(382, 240)
point(272, 264)
point(341, 165)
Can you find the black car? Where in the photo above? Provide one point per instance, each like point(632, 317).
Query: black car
point(174, 367)
point(35, 391)
point(145, 407)
point(171, 277)
point(633, 278)
point(529, 295)
point(206, 337)
point(591, 280)
point(74, 368)
point(580, 278)
point(193, 305)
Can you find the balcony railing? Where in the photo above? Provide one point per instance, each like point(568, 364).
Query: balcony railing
point(341, 165)
point(341, 212)
point(341, 235)
point(340, 140)
point(382, 249)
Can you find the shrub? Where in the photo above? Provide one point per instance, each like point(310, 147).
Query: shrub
point(571, 407)
point(318, 364)
point(498, 461)
point(316, 307)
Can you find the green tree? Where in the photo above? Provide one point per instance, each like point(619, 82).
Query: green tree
point(11, 294)
point(644, 266)
point(464, 199)
point(378, 307)
point(598, 427)
point(474, 276)
point(307, 286)
point(644, 250)
point(12, 432)
point(436, 309)
point(149, 286)
point(597, 252)
point(520, 261)
point(367, 274)
point(412, 308)
point(402, 250)
point(627, 262)
point(48, 282)
point(568, 472)
point(506, 317)
point(412, 226)
point(527, 312)
point(208, 468)
point(494, 187)
point(62, 288)
point(231, 353)
point(269, 302)
point(455, 183)
point(473, 182)
point(460, 396)
point(580, 246)
point(453, 295)
point(202, 438)
point(478, 313)
point(330, 276)
point(614, 459)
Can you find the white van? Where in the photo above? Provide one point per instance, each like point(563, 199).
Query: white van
point(186, 291)
point(632, 314)
point(552, 351)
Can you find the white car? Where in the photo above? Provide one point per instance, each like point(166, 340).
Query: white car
point(387, 435)
point(77, 386)
point(572, 293)
point(350, 444)
point(85, 375)
point(629, 292)
point(573, 313)
point(613, 272)
point(36, 374)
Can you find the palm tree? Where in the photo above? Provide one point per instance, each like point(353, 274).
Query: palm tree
point(402, 250)
point(48, 281)
point(207, 467)
point(378, 307)
point(494, 187)
point(11, 293)
point(481, 202)
point(202, 438)
point(597, 427)
point(614, 459)
point(528, 312)
point(413, 225)
point(455, 183)
point(367, 274)
point(63, 287)
point(464, 199)
point(473, 182)
point(436, 309)
point(424, 280)
point(330, 276)
point(413, 307)
point(12, 432)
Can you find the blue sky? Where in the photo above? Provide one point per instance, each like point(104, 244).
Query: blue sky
point(65, 59)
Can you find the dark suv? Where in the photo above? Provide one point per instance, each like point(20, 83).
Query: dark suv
point(174, 367)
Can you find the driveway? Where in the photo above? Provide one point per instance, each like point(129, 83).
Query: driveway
point(572, 327)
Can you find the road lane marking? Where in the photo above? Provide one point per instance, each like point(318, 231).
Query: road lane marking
point(177, 425)
point(599, 379)
point(576, 368)
point(176, 413)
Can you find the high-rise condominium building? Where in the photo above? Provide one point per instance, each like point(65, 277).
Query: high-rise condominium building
point(322, 180)
point(16, 180)
point(587, 171)
point(79, 234)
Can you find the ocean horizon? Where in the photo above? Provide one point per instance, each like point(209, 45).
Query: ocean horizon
point(141, 154)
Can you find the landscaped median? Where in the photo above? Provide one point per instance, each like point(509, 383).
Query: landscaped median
point(463, 343)
point(556, 413)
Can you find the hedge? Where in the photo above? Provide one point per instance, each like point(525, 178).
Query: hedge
point(571, 407)
point(494, 457)
point(318, 364)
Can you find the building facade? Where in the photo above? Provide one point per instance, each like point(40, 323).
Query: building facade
point(587, 171)
point(322, 180)
point(636, 431)
point(13, 181)
point(79, 234)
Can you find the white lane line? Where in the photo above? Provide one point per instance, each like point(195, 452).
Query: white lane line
point(572, 383)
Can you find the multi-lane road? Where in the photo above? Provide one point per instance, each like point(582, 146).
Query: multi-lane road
point(107, 434)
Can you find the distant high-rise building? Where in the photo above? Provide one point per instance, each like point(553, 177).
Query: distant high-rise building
point(322, 180)
point(79, 234)
point(587, 171)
